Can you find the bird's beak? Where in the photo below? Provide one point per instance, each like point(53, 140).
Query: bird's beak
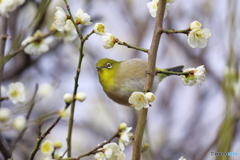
point(99, 67)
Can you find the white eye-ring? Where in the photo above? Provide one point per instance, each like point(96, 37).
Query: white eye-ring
point(108, 65)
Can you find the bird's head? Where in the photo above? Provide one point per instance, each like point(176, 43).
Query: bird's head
point(107, 65)
point(107, 69)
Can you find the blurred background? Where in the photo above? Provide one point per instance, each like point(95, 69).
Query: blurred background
point(183, 121)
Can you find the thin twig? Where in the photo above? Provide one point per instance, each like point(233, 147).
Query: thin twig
point(133, 47)
point(83, 40)
point(63, 154)
point(40, 139)
point(173, 73)
point(95, 150)
point(11, 55)
point(172, 31)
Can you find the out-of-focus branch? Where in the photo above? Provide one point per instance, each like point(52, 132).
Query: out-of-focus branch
point(42, 136)
point(27, 118)
point(142, 116)
point(9, 56)
point(3, 149)
point(3, 37)
point(227, 131)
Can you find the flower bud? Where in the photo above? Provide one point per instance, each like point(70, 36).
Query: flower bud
point(145, 147)
point(150, 96)
point(63, 113)
point(108, 40)
point(122, 126)
point(80, 96)
point(195, 25)
point(68, 98)
point(5, 114)
point(57, 144)
point(19, 123)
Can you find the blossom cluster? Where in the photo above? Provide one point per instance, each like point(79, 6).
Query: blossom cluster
point(141, 100)
point(108, 39)
point(197, 37)
point(16, 93)
point(125, 136)
point(48, 149)
point(196, 75)
point(114, 151)
point(110, 151)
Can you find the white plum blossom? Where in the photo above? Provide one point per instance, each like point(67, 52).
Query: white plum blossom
point(80, 96)
point(108, 40)
point(82, 17)
point(153, 6)
point(138, 100)
point(110, 151)
point(60, 19)
point(16, 92)
point(197, 76)
point(68, 33)
point(47, 147)
point(198, 37)
point(125, 136)
point(5, 114)
point(19, 123)
point(7, 6)
point(37, 47)
point(99, 29)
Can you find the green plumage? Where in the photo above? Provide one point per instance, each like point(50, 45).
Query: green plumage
point(120, 78)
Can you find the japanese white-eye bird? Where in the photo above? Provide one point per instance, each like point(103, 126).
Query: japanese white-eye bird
point(120, 78)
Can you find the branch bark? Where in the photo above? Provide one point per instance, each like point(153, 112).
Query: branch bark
point(142, 115)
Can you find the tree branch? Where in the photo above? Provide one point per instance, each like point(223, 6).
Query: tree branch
point(142, 116)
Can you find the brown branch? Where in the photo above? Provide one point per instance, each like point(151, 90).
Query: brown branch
point(142, 116)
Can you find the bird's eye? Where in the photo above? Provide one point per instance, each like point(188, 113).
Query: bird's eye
point(108, 65)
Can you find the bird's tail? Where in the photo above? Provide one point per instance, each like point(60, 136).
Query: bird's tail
point(161, 76)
